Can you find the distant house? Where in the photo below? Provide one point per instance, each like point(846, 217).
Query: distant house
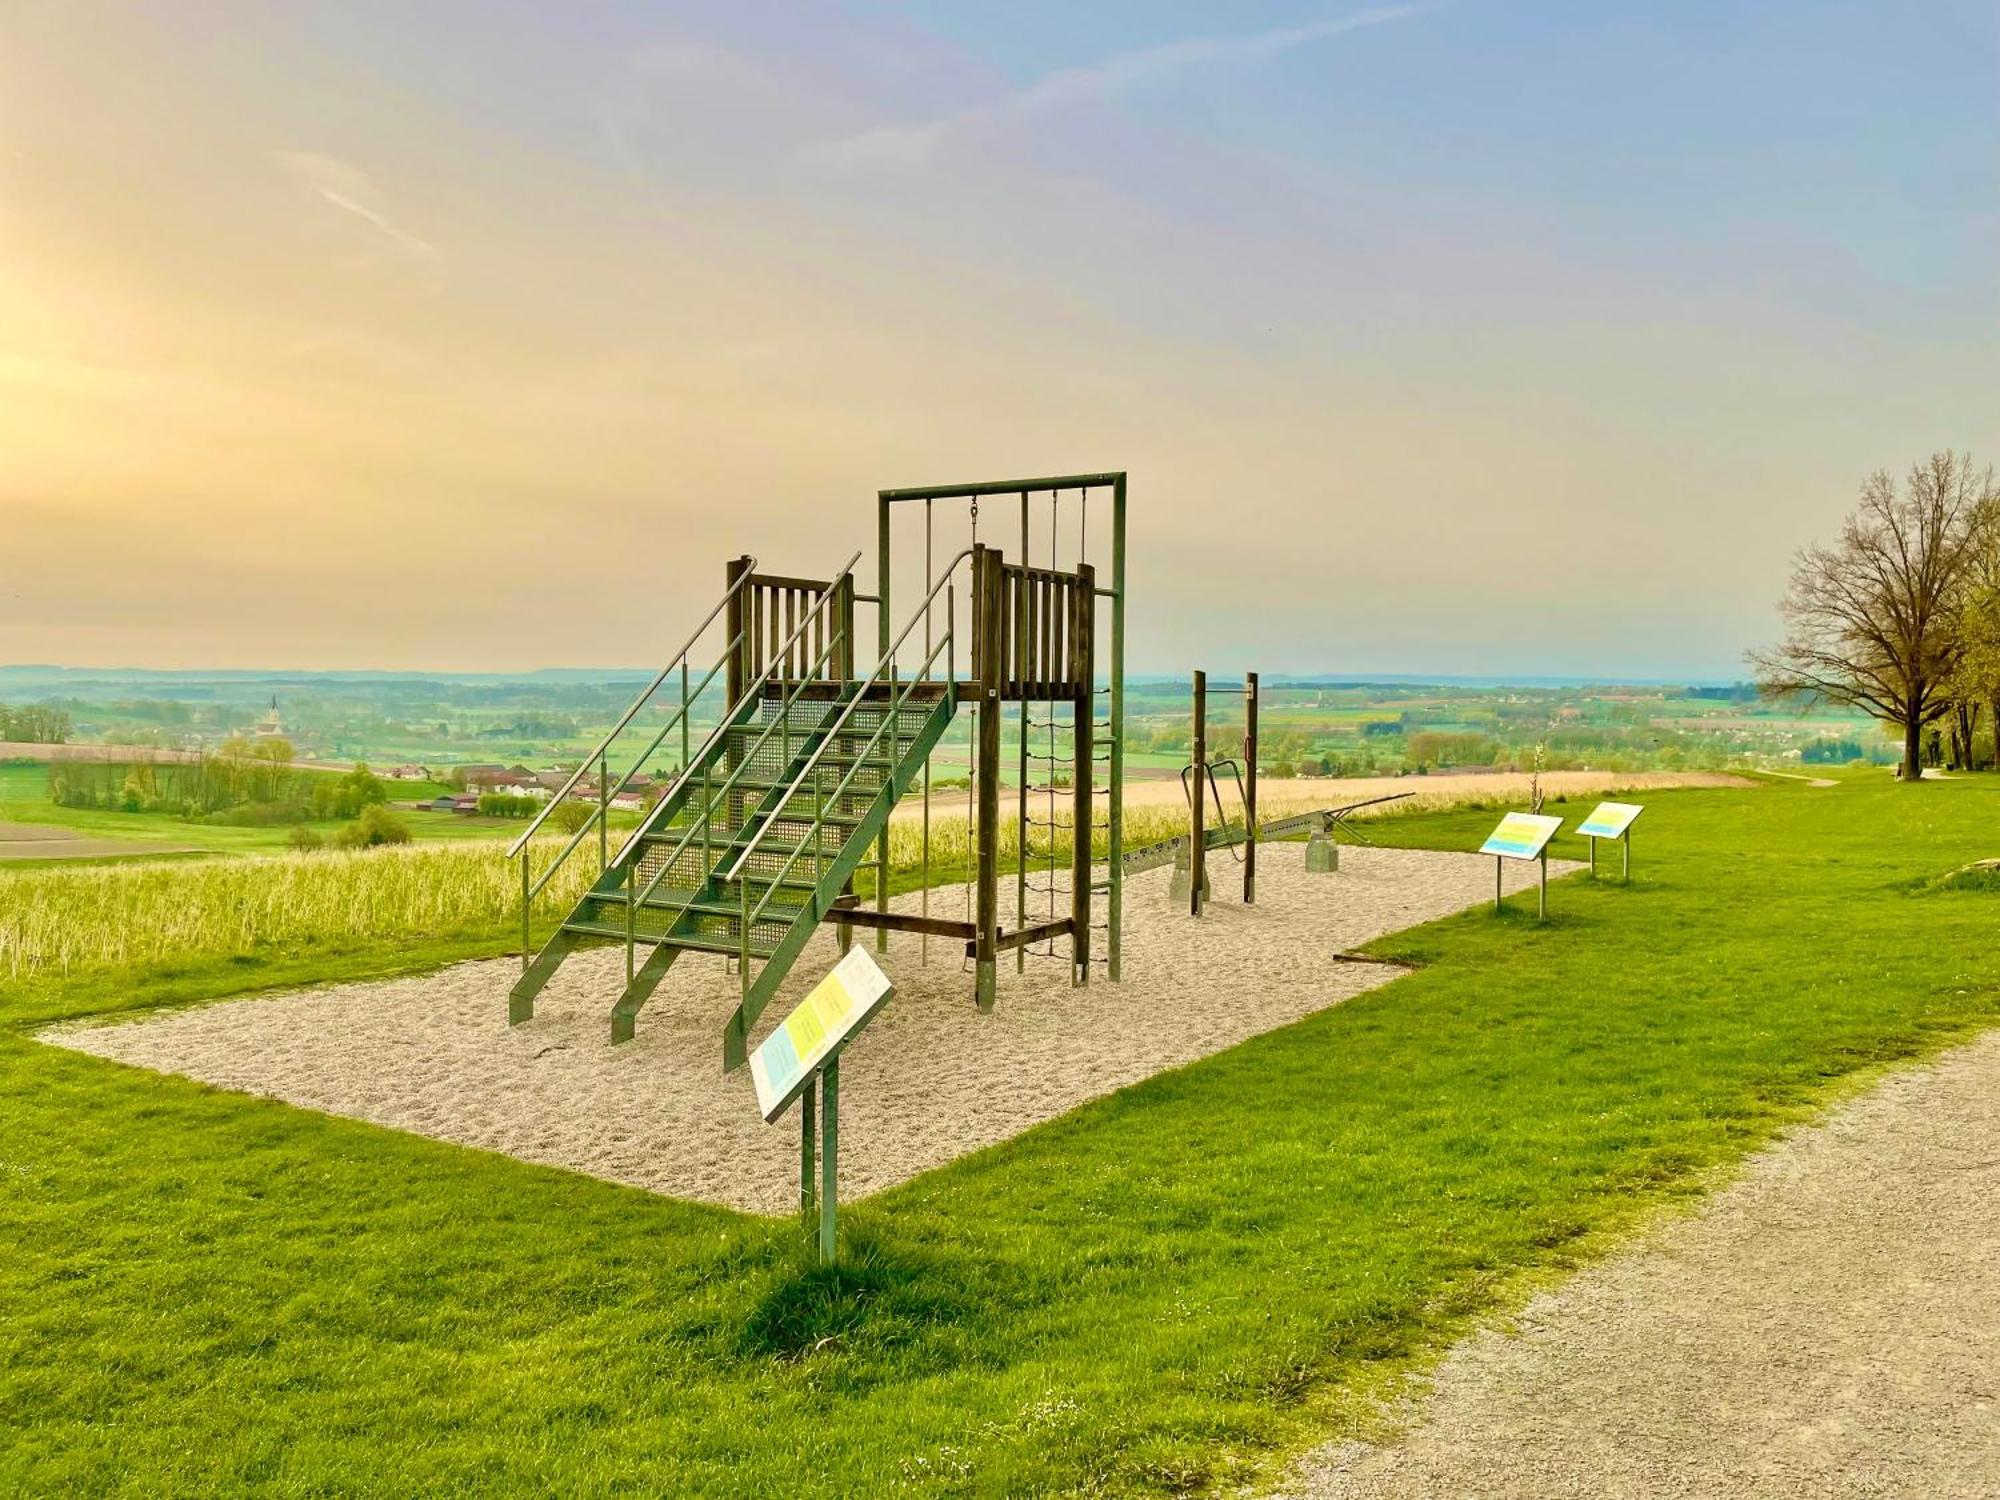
point(408, 773)
point(464, 802)
point(447, 802)
point(482, 775)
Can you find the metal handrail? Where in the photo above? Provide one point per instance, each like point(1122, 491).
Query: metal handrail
point(604, 745)
point(751, 917)
point(887, 664)
point(537, 887)
point(729, 783)
point(749, 695)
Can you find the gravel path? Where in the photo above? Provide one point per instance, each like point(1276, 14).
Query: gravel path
point(1827, 1327)
point(930, 1080)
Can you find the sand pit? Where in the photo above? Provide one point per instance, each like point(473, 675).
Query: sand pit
point(929, 1081)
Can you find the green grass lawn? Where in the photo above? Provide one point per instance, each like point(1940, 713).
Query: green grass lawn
point(1167, 1291)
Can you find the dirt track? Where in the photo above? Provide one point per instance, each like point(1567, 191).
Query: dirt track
point(46, 841)
point(1827, 1327)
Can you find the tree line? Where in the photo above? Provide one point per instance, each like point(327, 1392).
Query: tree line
point(249, 782)
point(35, 724)
point(1900, 615)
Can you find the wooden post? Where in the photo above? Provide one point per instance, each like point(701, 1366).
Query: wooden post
point(1083, 710)
point(1499, 865)
point(1249, 788)
point(738, 676)
point(1114, 810)
point(882, 618)
point(1542, 901)
point(989, 655)
point(1197, 805)
point(742, 626)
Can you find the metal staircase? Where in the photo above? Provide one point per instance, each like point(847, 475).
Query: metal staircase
point(756, 841)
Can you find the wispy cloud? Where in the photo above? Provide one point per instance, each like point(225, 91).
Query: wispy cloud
point(915, 143)
point(351, 190)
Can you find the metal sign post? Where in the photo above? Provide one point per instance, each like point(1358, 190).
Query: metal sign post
point(804, 1052)
point(1611, 820)
point(1522, 836)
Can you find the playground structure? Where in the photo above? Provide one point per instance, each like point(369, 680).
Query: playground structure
point(790, 758)
point(1202, 789)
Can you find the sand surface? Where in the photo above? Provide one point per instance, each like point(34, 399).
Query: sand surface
point(1829, 1326)
point(930, 1080)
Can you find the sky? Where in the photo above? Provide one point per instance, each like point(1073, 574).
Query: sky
point(1470, 337)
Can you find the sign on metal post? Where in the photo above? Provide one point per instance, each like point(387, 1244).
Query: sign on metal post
point(1523, 836)
point(806, 1047)
point(1611, 820)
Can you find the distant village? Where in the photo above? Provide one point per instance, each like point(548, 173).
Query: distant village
point(517, 781)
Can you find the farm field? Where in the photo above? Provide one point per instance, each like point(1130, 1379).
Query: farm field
point(24, 800)
point(1359, 728)
point(1170, 1290)
point(1157, 806)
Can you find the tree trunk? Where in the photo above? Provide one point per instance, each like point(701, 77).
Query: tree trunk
point(1913, 749)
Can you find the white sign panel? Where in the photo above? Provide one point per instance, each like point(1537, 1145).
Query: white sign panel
point(839, 1006)
point(1521, 835)
point(1610, 820)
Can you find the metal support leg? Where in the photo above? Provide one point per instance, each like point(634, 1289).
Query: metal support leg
point(808, 1149)
point(527, 900)
point(829, 1156)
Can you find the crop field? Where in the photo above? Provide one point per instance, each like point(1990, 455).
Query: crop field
point(24, 798)
point(57, 922)
point(1169, 1291)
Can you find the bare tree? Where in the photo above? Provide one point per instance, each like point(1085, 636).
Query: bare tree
point(1976, 683)
point(1871, 621)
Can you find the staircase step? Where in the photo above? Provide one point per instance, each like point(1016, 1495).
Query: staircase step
point(802, 751)
point(704, 944)
point(759, 784)
point(661, 940)
point(710, 906)
point(801, 813)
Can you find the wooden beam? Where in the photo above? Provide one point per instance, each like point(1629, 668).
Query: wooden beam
point(896, 921)
point(1022, 936)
